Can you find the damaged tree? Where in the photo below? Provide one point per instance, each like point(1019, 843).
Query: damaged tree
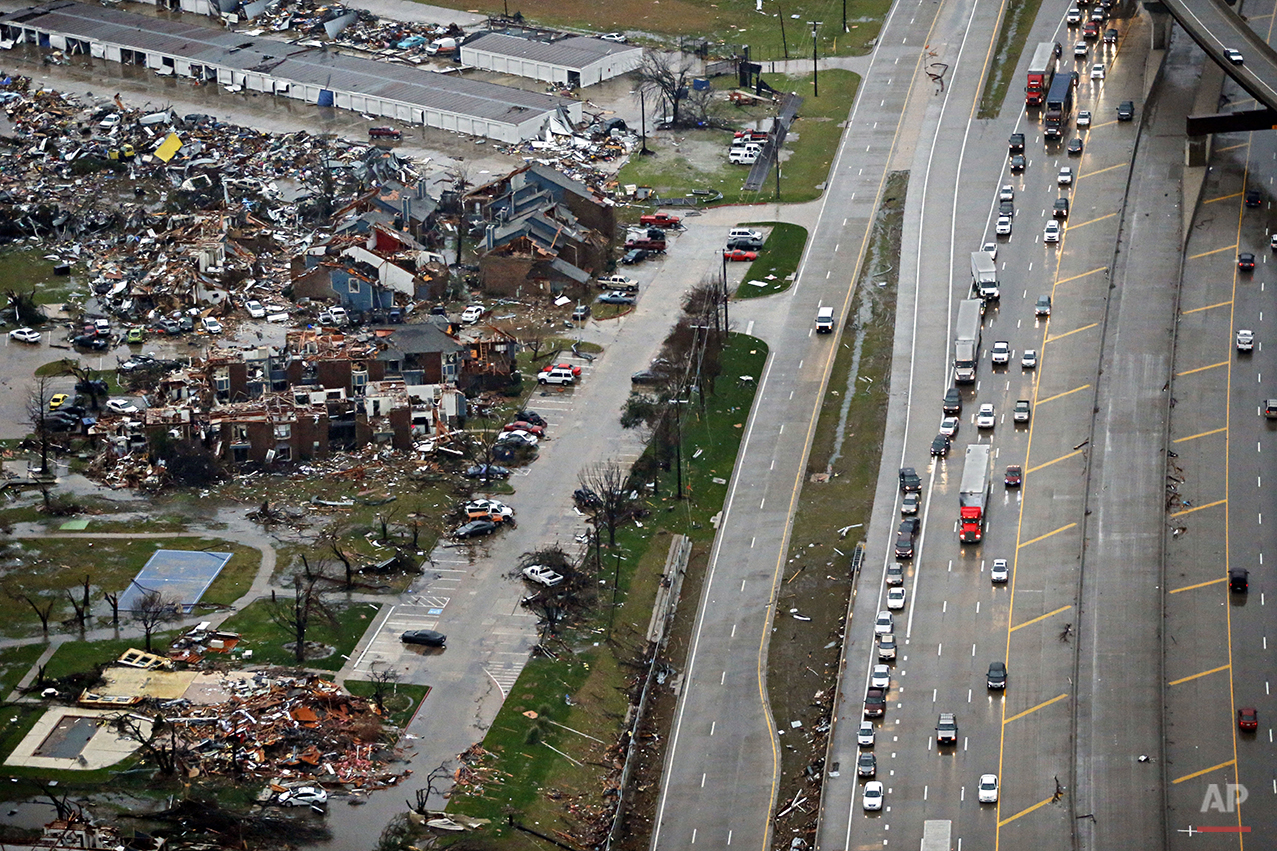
point(37, 410)
point(554, 604)
point(156, 738)
point(152, 609)
point(43, 608)
point(296, 614)
point(667, 78)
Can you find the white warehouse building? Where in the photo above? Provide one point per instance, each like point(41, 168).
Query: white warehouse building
point(573, 61)
point(311, 74)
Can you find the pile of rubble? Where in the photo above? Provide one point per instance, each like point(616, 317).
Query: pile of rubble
point(356, 29)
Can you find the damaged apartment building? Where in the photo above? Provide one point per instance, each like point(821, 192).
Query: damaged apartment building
point(541, 232)
point(325, 392)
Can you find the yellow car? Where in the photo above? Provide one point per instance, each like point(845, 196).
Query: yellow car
point(57, 400)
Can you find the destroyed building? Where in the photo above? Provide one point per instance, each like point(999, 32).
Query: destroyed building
point(315, 75)
point(542, 231)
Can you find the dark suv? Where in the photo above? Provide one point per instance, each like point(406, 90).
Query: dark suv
point(1126, 110)
point(1016, 143)
point(1238, 580)
point(904, 537)
point(952, 401)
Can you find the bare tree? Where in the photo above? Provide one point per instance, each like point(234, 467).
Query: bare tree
point(438, 773)
point(533, 338)
point(608, 481)
point(42, 606)
point(383, 520)
point(666, 77)
point(85, 378)
point(152, 609)
point(332, 541)
point(156, 737)
point(113, 598)
point(80, 604)
point(384, 681)
point(296, 614)
point(37, 411)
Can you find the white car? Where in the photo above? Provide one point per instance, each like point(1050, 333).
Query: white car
point(1084, 118)
point(110, 122)
point(1003, 227)
point(1052, 231)
point(999, 573)
point(991, 249)
point(865, 735)
point(472, 314)
point(1001, 352)
point(880, 677)
point(1080, 50)
point(25, 335)
point(884, 624)
point(1245, 340)
point(1074, 15)
point(909, 505)
point(985, 417)
point(896, 598)
point(872, 801)
point(988, 792)
point(121, 406)
point(1007, 193)
point(211, 325)
point(618, 38)
point(1065, 177)
point(1234, 56)
point(303, 796)
point(1097, 71)
point(1097, 15)
point(518, 436)
point(542, 575)
point(255, 309)
point(949, 426)
point(1030, 359)
point(489, 506)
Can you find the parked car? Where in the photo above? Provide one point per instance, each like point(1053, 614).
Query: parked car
point(303, 796)
point(486, 471)
point(425, 637)
point(473, 314)
point(135, 335)
point(520, 425)
point(542, 575)
point(255, 309)
point(636, 255)
point(576, 370)
point(25, 335)
point(618, 38)
point(475, 529)
point(121, 406)
point(738, 254)
point(533, 417)
point(616, 298)
point(527, 438)
point(210, 325)
point(57, 400)
point(384, 133)
point(92, 342)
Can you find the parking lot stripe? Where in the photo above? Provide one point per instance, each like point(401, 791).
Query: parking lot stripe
point(1207, 307)
point(1200, 434)
point(1062, 395)
point(1192, 677)
point(1201, 369)
point(1025, 812)
point(1047, 535)
point(1074, 331)
point(1212, 251)
point(1043, 705)
point(1040, 618)
point(1203, 771)
point(1053, 461)
point(1198, 585)
point(1199, 507)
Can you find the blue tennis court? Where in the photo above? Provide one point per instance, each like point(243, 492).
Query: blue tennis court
point(178, 575)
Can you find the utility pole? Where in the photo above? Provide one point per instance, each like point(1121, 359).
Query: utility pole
point(844, 16)
point(725, 296)
point(783, 43)
point(815, 82)
point(643, 119)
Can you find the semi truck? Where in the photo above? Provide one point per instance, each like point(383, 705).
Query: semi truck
point(936, 834)
point(1059, 106)
point(973, 496)
point(1041, 73)
point(984, 276)
point(966, 343)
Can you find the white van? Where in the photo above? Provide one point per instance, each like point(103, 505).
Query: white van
point(739, 156)
point(558, 375)
point(825, 320)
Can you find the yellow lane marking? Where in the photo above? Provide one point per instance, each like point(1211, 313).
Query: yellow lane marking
point(1062, 395)
point(1198, 585)
point(1101, 171)
point(1083, 275)
point(1201, 369)
point(1043, 705)
point(1203, 771)
point(1053, 461)
point(1196, 676)
point(1074, 331)
point(1239, 144)
point(1207, 307)
point(1040, 618)
point(1235, 194)
point(1073, 227)
point(1199, 434)
point(1199, 507)
point(1041, 803)
point(1212, 251)
point(1049, 534)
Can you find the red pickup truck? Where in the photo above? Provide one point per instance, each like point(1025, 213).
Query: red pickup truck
point(656, 245)
point(660, 220)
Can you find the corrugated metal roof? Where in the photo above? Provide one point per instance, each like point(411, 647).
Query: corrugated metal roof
point(574, 52)
point(286, 62)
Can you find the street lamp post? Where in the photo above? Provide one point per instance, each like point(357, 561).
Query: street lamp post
point(815, 83)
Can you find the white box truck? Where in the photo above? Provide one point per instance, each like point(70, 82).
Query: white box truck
point(966, 342)
point(984, 276)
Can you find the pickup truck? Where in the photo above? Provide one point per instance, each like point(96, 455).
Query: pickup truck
point(947, 729)
point(654, 245)
point(660, 220)
point(875, 703)
point(619, 282)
